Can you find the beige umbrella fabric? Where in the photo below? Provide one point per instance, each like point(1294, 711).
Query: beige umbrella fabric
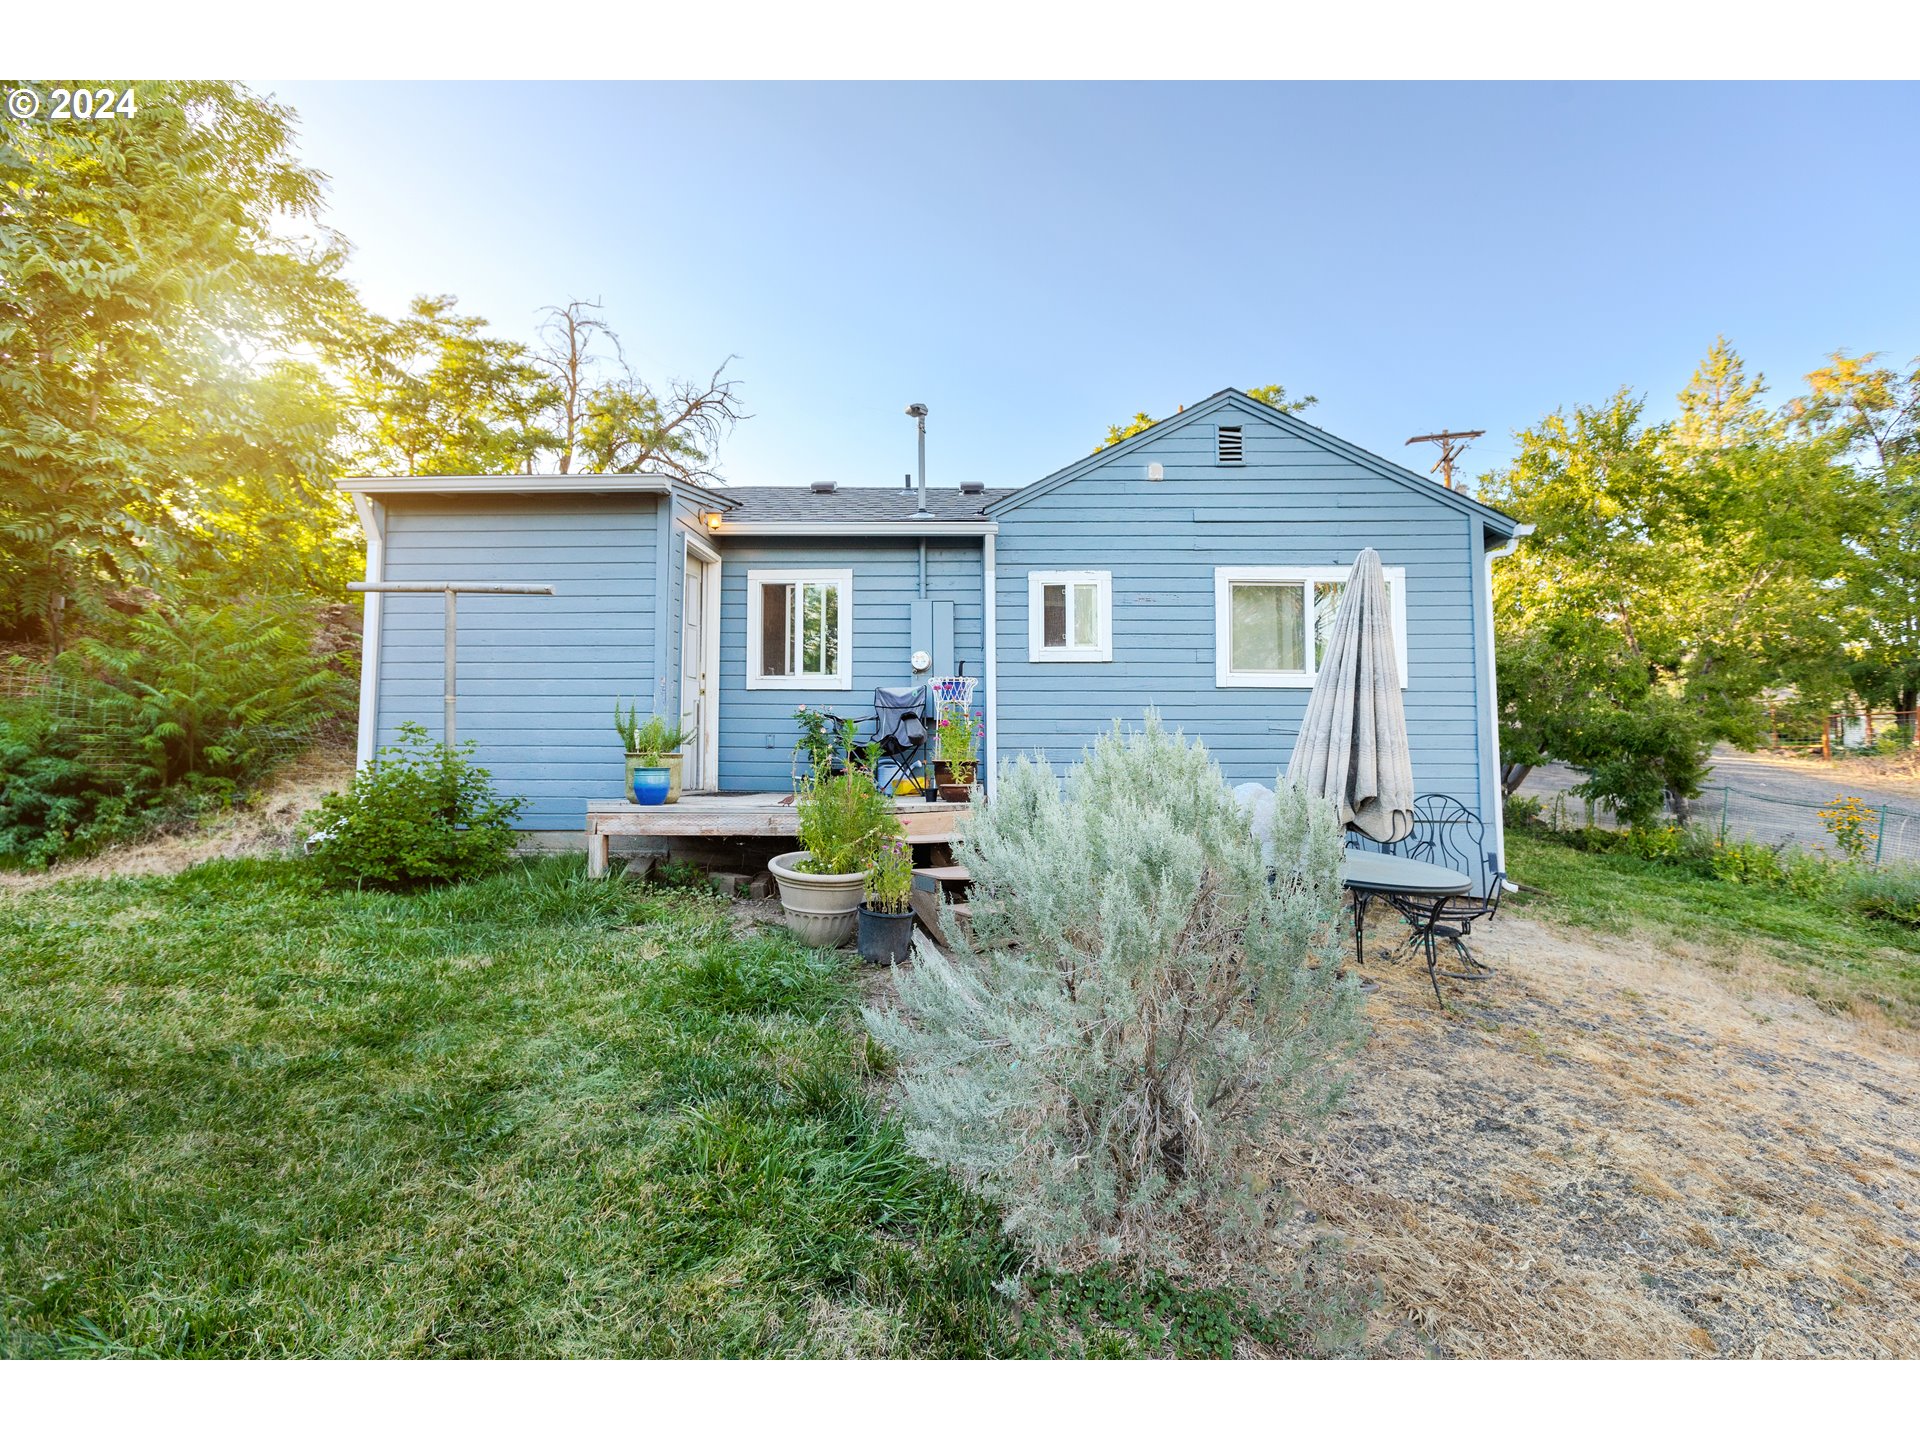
point(1353, 742)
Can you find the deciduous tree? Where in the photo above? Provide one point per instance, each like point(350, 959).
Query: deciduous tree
point(1676, 572)
point(1870, 416)
point(149, 299)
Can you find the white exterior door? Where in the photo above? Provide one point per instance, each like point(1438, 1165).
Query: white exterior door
point(699, 627)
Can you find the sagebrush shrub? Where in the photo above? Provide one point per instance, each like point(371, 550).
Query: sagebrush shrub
point(1136, 1007)
point(418, 812)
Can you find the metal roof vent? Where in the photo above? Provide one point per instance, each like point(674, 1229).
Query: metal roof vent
point(1228, 446)
point(824, 487)
point(973, 487)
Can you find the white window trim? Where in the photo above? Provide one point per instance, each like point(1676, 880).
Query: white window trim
point(1041, 654)
point(1226, 576)
point(758, 578)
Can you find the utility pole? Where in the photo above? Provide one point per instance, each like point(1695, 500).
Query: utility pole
point(1453, 444)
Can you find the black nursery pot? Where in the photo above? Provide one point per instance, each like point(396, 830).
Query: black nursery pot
point(885, 939)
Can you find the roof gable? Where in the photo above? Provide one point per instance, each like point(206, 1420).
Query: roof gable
point(1222, 402)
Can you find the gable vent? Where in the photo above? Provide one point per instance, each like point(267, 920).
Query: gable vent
point(1228, 449)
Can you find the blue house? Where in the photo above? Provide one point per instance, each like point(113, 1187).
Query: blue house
point(1189, 568)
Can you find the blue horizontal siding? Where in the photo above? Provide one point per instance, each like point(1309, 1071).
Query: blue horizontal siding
point(1292, 503)
point(757, 731)
point(537, 675)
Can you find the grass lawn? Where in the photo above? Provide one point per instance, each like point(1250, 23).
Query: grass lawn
point(1842, 957)
point(535, 1115)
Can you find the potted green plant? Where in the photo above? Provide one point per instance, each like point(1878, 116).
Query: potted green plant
point(844, 820)
point(886, 915)
point(651, 744)
point(956, 750)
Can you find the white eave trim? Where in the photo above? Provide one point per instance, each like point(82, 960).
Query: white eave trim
point(909, 528)
point(506, 485)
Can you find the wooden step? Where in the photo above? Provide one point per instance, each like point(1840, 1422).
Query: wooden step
point(945, 874)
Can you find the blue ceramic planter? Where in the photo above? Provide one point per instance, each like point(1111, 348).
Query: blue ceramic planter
point(650, 784)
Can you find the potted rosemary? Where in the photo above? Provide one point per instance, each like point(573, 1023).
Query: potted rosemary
point(652, 744)
point(886, 916)
point(844, 820)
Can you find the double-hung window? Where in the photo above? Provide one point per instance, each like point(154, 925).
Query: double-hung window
point(1069, 615)
point(1272, 623)
point(800, 629)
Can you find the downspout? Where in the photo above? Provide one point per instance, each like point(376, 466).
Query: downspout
point(373, 521)
point(993, 664)
point(923, 568)
point(1491, 708)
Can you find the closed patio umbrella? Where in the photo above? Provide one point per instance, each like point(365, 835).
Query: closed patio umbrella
point(1353, 742)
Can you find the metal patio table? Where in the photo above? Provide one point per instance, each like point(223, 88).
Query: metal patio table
point(1415, 888)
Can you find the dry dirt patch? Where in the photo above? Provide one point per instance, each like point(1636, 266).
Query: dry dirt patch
point(268, 825)
point(1615, 1150)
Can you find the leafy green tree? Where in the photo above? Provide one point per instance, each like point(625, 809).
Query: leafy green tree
point(441, 396)
point(1270, 395)
point(1720, 407)
point(1675, 573)
point(149, 280)
point(1869, 415)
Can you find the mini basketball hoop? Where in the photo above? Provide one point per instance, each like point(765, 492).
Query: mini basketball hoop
point(955, 690)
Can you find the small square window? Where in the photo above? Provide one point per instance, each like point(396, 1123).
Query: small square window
point(799, 629)
point(1070, 615)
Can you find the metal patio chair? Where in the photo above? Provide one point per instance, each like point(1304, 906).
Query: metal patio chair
point(899, 734)
point(1446, 833)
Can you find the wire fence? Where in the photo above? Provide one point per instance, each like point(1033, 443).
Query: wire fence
point(88, 714)
point(1844, 732)
point(1873, 831)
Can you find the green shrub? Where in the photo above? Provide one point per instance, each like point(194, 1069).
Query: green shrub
point(419, 812)
point(1891, 892)
point(1809, 876)
point(52, 803)
point(1746, 862)
point(1523, 811)
point(1135, 1009)
point(1661, 843)
point(1892, 740)
point(212, 690)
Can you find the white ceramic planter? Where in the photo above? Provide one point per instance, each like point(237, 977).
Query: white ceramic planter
point(821, 909)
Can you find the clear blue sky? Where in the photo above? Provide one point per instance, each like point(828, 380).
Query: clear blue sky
point(1037, 262)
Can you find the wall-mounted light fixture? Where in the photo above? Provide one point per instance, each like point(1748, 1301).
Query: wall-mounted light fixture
point(712, 519)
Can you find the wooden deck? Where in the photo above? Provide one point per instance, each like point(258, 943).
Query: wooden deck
point(738, 817)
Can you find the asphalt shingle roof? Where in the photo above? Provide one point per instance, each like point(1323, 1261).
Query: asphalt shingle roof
point(863, 503)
